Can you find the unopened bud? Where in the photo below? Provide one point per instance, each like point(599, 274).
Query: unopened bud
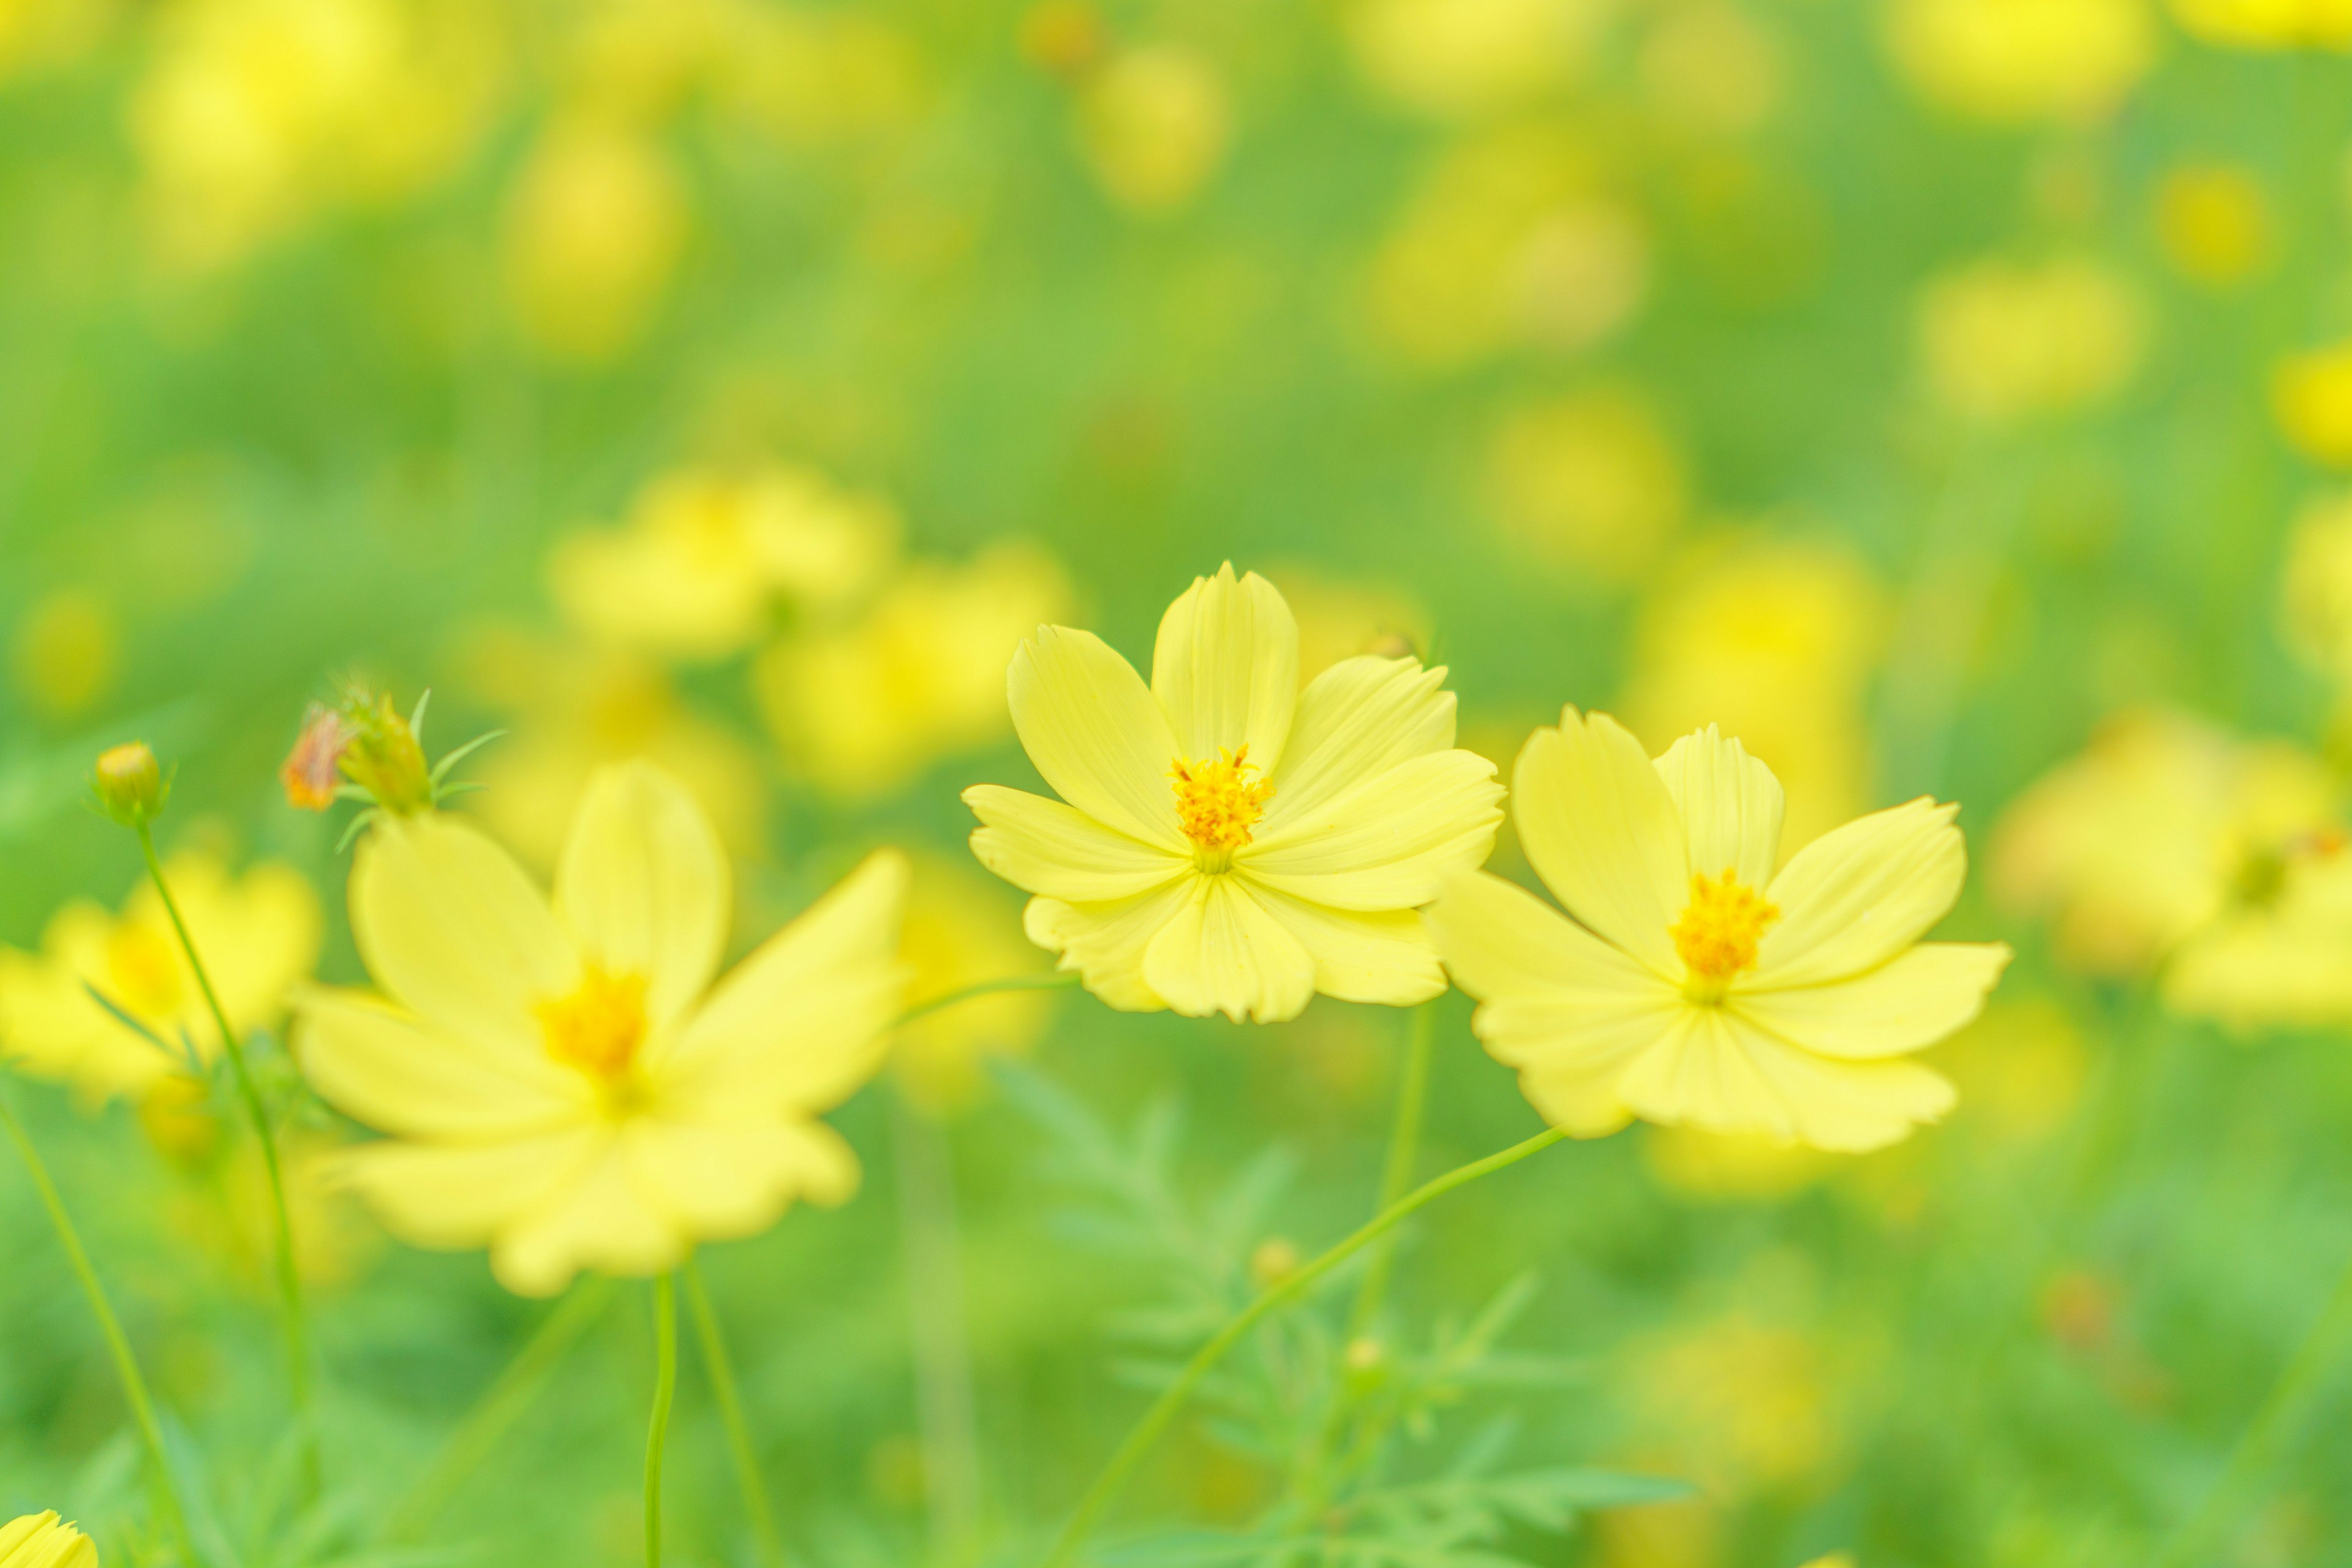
point(1365, 1359)
point(129, 785)
point(1275, 1261)
point(382, 755)
point(313, 769)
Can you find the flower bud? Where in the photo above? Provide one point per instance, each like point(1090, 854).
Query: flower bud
point(129, 785)
point(1274, 1261)
point(313, 770)
point(382, 754)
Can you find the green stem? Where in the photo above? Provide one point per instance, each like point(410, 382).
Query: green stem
point(1056, 982)
point(289, 1276)
point(126, 1365)
point(664, 1388)
point(721, 1368)
point(2268, 1431)
point(479, 1434)
point(1164, 1409)
point(935, 1315)
point(1405, 1147)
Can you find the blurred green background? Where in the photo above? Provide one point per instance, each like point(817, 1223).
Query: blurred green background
point(1912, 388)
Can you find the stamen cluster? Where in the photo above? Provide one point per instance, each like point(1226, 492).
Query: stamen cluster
point(1217, 804)
point(1719, 931)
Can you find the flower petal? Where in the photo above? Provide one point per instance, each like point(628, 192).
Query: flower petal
point(803, 1020)
point(379, 1066)
point(644, 887)
point(1854, 897)
point(1358, 719)
point(1105, 942)
point(451, 1196)
point(1388, 843)
point(1599, 827)
point(1382, 957)
point(718, 1180)
point(1097, 733)
point(600, 1220)
point(453, 931)
point(1224, 953)
point(1906, 1003)
point(1731, 806)
point(1225, 667)
point(1500, 941)
point(1044, 847)
point(1722, 1074)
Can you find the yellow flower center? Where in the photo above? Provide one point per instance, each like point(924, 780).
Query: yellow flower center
point(1217, 806)
point(598, 1028)
point(1719, 933)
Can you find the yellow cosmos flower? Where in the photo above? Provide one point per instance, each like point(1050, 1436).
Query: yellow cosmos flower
point(1701, 982)
point(2269, 24)
point(1231, 843)
point(259, 935)
point(564, 1084)
point(2017, 60)
point(40, 1540)
point(2311, 395)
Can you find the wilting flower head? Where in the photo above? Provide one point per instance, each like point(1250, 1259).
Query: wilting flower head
point(564, 1083)
point(1231, 843)
point(40, 1540)
point(1701, 982)
point(312, 771)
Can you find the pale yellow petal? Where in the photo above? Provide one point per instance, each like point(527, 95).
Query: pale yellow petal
point(2264, 969)
point(1105, 942)
point(1358, 719)
point(718, 1179)
point(1096, 733)
point(1731, 806)
point(802, 1022)
point(601, 1221)
point(1599, 827)
point(1389, 842)
point(1906, 1003)
point(453, 930)
point(1721, 1074)
point(1224, 953)
point(1500, 941)
point(1225, 667)
point(1570, 1050)
point(644, 887)
point(383, 1068)
point(460, 1194)
point(51, 1028)
point(1855, 896)
point(1059, 852)
point(1382, 957)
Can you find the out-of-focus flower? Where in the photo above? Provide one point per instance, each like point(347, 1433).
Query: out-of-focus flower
point(1755, 998)
point(1775, 639)
point(960, 933)
point(2319, 587)
point(1728, 1166)
point(1590, 484)
point(1512, 240)
point(862, 707)
point(820, 77)
point(2020, 1068)
point(707, 562)
point(2311, 394)
point(259, 934)
point(2268, 23)
point(1713, 67)
point(1744, 1405)
point(232, 1216)
point(564, 1083)
point(383, 753)
point(1233, 844)
point(1459, 59)
point(1154, 123)
point(129, 785)
point(257, 113)
point(65, 651)
point(2003, 341)
point(593, 229)
point(1834, 1560)
point(2016, 61)
point(1340, 617)
point(1065, 36)
point(313, 770)
point(39, 32)
point(635, 61)
point(41, 1541)
point(2215, 223)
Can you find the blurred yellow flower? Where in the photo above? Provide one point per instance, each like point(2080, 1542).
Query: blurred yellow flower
point(1154, 123)
point(707, 562)
point(2005, 341)
point(1589, 483)
point(259, 935)
point(2021, 1067)
point(65, 651)
point(232, 1216)
point(2318, 586)
point(37, 33)
point(1713, 65)
point(1744, 1405)
point(593, 229)
point(2268, 23)
point(819, 77)
point(564, 1083)
point(960, 933)
point(40, 1540)
point(2215, 223)
point(2311, 394)
point(1730, 1166)
point(1233, 844)
point(2015, 60)
point(1457, 58)
point(1701, 982)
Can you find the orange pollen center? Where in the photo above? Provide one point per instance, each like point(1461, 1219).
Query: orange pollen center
point(1217, 804)
point(599, 1026)
point(1718, 932)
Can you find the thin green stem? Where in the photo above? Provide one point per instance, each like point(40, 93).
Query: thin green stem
point(1056, 982)
point(721, 1368)
point(126, 1365)
point(290, 1274)
point(1396, 1176)
point(500, 1408)
point(665, 1389)
point(1164, 1409)
point(935, 1304)
point(2273, 1424)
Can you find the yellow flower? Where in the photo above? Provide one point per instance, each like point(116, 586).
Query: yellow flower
point(2269, 24)
point(1457, 58)
point(1233, 844)
point(564, 1083)
point(40, 1540)
point(1701, 982)
point(1154, 123)
point(2017, 60)
point(2311, 394)
point(2005, 342)
point(258, 933)
point(66, 652)
point(2215, 223)
point(594, 227)
point(1590, 484)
